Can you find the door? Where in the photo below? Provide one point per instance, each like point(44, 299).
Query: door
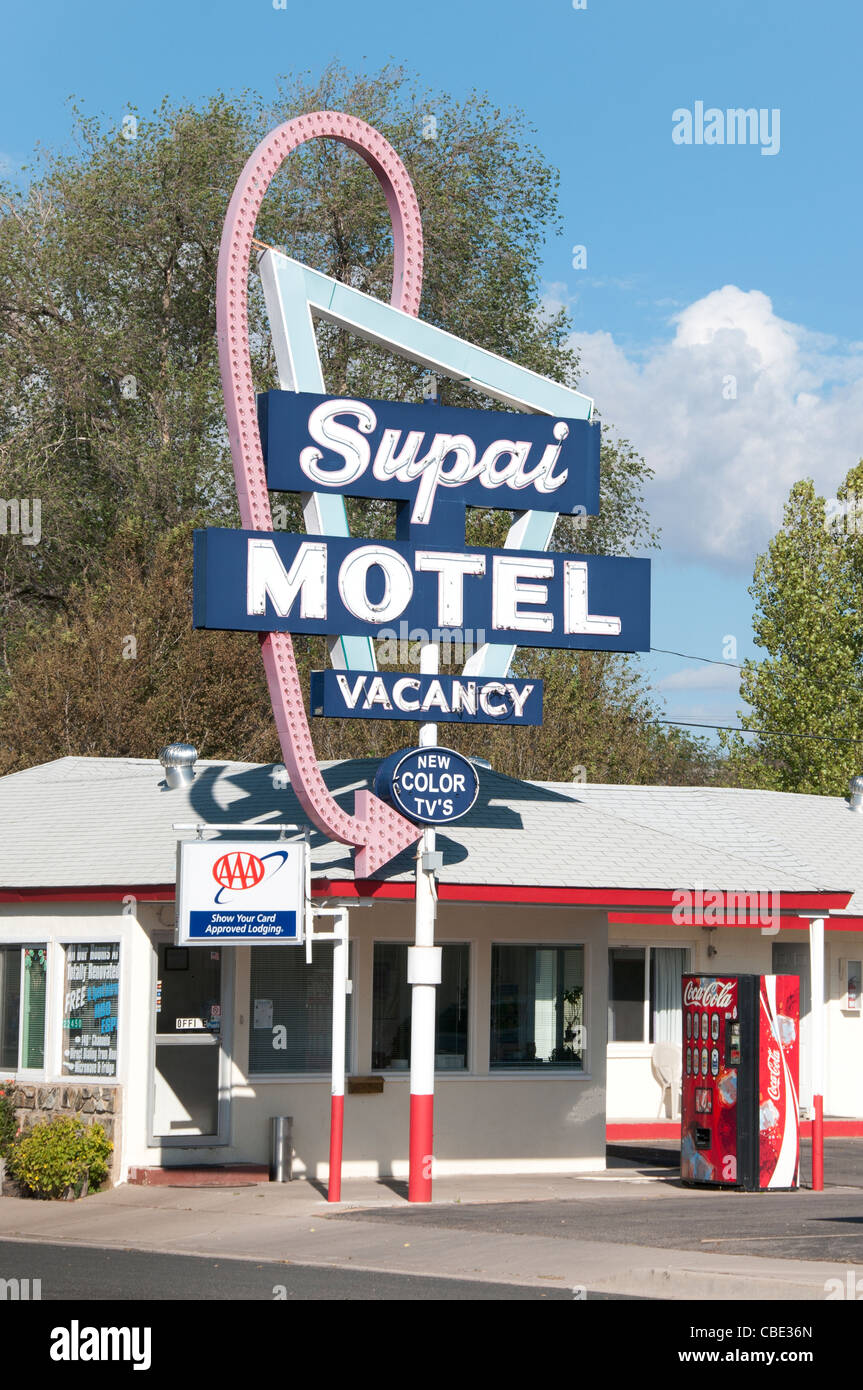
point(794, 960)
point(187, 1100)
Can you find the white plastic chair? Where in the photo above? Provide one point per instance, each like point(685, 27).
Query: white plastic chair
point(667, 1062)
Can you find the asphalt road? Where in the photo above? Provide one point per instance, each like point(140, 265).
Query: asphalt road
point(71, 1273)
point(784, 1225)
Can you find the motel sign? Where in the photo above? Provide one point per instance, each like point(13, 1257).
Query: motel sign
point(537, 458)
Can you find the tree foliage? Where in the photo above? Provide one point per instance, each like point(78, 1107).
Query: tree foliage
point(808, 589)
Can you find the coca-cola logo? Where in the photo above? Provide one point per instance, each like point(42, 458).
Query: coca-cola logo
point(774, 1066)
point(716, 994)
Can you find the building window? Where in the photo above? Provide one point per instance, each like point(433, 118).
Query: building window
point(22, 1008)
point(644, 993)
point(391, 1008)
point(667, 966)
point(537, 1006)
point(626, 993)
point(291, 1010)
point(91, 1008)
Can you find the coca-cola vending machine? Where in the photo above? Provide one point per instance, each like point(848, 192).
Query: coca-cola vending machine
point(740, 1118)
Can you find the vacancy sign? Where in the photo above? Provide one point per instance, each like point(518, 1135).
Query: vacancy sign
point(242, 892)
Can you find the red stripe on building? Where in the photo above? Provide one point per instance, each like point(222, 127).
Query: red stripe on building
point(754, 920)
point(458, 892)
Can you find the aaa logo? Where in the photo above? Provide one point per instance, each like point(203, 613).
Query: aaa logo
point(238, 870)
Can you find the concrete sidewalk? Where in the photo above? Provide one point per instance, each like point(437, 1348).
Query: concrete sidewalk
point(294, 1223)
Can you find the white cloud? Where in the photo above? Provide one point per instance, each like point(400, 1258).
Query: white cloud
point(729, 413)
point(702, 678)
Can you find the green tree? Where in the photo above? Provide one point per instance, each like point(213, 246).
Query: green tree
point(808, 589)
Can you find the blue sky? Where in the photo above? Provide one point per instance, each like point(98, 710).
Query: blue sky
point(718, 313)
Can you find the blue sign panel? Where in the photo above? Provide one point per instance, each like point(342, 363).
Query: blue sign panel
point(242, 926)
point(265, 581)
point(432, 786)
point(413, 453)
point(439, 699)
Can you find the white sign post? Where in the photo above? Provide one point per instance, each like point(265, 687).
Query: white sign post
point(341, 989)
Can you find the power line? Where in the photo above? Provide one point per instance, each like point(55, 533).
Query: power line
point(687, 656)
point(765, 733)
point(736, 728)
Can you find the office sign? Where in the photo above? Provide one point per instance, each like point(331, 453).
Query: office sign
point(441, 699)
point(431, 786)
point(278, 582)
point(412, 453)
point(240, 892)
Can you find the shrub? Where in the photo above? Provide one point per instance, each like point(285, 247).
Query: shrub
point(8, 1122)
point(58, 1155)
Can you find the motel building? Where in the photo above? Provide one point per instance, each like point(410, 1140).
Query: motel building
point(566, 913)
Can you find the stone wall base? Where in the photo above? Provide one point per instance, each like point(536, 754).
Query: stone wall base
point(39, 1101)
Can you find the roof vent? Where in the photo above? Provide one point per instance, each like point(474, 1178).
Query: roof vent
point(178, 760)
point(856, 789)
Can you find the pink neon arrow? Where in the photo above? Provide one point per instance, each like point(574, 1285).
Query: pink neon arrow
point(377, 832)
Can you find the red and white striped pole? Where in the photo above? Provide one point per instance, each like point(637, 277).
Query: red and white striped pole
point(423, 977)
point(816, 971)
point(337, 1101)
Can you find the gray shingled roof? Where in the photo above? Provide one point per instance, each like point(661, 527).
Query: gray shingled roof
point(817, 836)
point(108, 821)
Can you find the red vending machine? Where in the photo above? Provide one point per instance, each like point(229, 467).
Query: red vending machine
point(740, 1117)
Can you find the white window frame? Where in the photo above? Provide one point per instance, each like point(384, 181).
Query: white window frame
point(89, 938)
point(644, 1047)
point(30, 1074)
point(556, 1074)
point(306, 1078)
point(453, 1074)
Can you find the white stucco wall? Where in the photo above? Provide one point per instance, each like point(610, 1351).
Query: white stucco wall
point(485, 1122)
point(843, 1062)
point(634, 1093)
point(56, 924)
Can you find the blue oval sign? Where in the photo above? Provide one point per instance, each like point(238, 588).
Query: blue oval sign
point(429, 785)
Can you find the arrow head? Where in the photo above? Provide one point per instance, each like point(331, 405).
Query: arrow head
point(387, 833)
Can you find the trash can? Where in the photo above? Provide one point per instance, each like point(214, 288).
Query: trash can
point(281, 1148)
